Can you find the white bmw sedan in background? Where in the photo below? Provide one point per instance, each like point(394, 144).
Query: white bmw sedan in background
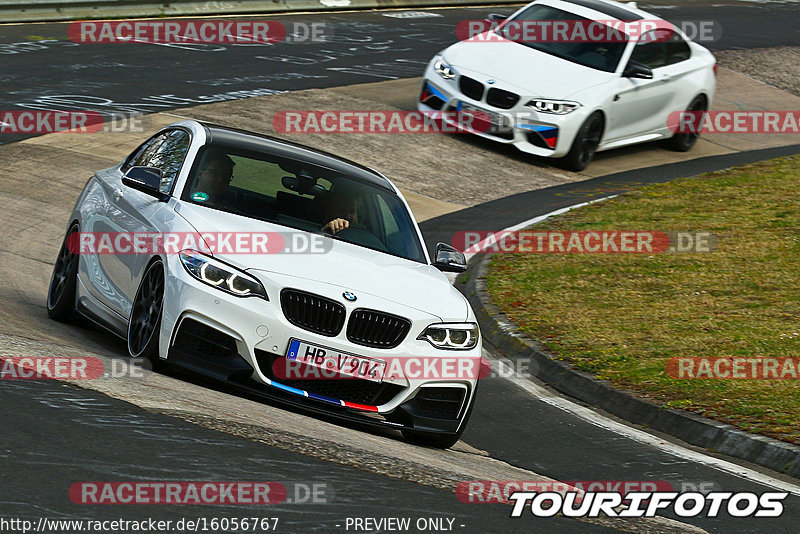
point(567, 99)
point(362, 325)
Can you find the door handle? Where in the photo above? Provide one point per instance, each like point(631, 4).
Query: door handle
point(665, 78)
point(118, 193)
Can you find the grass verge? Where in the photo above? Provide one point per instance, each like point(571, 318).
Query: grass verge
point(623, 316)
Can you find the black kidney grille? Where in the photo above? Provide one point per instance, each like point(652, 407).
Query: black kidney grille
point(377, 329)
point(502, 99)
point(471, 88)
point(312, 312)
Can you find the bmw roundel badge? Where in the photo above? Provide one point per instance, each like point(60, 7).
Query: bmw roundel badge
point(349, 296)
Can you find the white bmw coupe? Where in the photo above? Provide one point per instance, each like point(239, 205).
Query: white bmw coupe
point(173, 250)
point(569, 95)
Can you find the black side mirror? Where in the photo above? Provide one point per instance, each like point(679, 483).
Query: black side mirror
point(147, 180)
point(496, 18)
point(637, 70)
point(449, 260)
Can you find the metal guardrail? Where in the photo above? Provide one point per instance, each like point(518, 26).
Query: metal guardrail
point(56, 10)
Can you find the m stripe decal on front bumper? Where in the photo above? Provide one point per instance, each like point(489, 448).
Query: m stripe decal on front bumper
point(323, 398)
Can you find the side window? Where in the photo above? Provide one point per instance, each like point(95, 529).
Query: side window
point(651, 49)
point(677, 50)
point(168, 157)
point(165, 151)
point(142, 154)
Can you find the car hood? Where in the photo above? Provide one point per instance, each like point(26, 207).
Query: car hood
point(532, 72)
point(343, 265)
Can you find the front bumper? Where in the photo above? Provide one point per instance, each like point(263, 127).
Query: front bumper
point(541, 134)
point(237, 340)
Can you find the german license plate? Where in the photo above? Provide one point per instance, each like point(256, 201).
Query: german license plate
point(333, 361)
point(497, 120)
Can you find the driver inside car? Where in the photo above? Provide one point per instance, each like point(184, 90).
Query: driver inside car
point(340, 210)
point(213, 178)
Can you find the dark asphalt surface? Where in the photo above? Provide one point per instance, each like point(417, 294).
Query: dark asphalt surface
point(43, 69)
point(508, 211)
point(53, 435)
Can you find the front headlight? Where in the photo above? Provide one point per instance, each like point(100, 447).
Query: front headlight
point(444, 70)
point(221, 275)
point(554, 107)
point(453, 336)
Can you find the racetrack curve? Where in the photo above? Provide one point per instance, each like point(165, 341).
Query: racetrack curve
point(171, 425)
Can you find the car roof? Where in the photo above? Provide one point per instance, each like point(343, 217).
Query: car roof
point(612, 9)
point(256, 142)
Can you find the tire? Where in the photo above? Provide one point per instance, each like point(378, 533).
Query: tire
point(683, 142)
point(438, 440)
point(64, 283)
point(144, 324)
point(430, 439)
point(585, 143)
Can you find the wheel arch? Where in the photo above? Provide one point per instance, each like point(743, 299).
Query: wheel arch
point(703, 95)
point(157, 332)
point(605, 121)
point(150, 262)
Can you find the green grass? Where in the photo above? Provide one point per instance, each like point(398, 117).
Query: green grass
point(622, 316)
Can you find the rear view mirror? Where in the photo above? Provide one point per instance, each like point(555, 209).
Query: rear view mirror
point(303, 184)
point(449, 260)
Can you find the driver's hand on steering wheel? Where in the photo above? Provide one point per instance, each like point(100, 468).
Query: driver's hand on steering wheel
point(336, 226)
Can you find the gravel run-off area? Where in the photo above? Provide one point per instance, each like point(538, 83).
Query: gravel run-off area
point(779, 67)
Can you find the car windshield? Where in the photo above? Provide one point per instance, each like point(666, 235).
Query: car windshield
point(303, 196)
point(594, 54)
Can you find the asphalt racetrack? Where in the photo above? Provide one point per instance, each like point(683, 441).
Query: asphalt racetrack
point(170, 426)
